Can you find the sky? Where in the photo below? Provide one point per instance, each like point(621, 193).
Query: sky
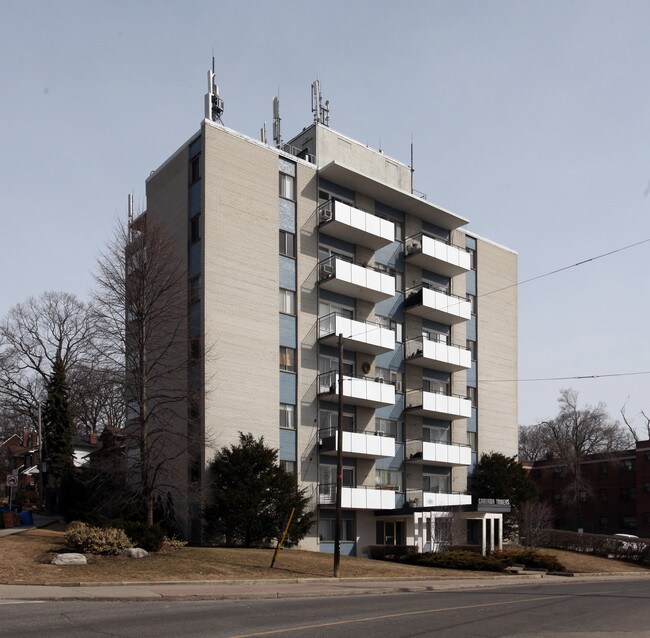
point(530, 119)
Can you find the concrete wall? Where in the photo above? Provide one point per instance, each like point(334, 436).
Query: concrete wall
point(497, 349)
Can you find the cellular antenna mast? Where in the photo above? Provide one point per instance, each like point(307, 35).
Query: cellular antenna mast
point(321, 113)
point(214, 105)
point(277, 135)
point(130, 216)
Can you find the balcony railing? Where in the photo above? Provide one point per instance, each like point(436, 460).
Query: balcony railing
point(437, 303)
point(438, 405)
point(357, 444)
point(439, 355)
point(340, 274)
point(370, 498)
point(362, 391)
point(360, 336)
point(424, 498)
point(440, 453)
point(437, 255)
point(346, 222)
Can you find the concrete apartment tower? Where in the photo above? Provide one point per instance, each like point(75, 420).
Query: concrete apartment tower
point(290, 245)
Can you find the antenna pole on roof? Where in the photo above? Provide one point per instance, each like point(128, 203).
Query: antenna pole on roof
point(321, 113)
point(277, 134)
point(214, 105)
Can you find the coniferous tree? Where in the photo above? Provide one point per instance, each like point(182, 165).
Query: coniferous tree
point(58, 432)
point(252, 497)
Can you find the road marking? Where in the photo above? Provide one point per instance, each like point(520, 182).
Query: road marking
point(397, 615)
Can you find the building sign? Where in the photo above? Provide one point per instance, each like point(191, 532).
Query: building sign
point(493, 505)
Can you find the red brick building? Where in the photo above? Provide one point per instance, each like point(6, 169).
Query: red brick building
point(612, 495)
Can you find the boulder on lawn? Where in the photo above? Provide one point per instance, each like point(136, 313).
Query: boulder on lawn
point(69, 559)
point(135, 552)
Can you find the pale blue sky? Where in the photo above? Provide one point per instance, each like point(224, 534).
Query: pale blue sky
point(531, 119)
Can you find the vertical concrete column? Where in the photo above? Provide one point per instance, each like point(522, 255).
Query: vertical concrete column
point(491, 534)
point(483, 532)
point(500, 531)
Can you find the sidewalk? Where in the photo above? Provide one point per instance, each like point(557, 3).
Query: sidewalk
point(40, 520)
point(300, 588)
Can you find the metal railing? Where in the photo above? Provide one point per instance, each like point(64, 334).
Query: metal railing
point(414, 347)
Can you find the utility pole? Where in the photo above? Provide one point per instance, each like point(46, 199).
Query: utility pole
point(40, 459)
point(339, 468)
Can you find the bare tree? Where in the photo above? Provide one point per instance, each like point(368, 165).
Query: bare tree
point(142, 300)
point(631, 426)
point(32, 336)
point(534, 519)
point(532, 442)
point(576, 433)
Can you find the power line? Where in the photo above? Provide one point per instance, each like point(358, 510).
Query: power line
point(577, 377)
point(579, 263)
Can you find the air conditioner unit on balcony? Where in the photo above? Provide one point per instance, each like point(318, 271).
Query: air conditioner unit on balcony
point(324, 215)
point(396, 488)
point(413, 247)
point(326, 270)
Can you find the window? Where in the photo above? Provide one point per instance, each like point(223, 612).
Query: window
point(195, 349)
point(557, 498)
point(195, 289)
point(386, 375)
point(386, 427)
point(603, 468)
point(436, 483)
point(390, 532)
point(647, 455)
point(472, 301)
point(326, 529)
point(627, 465)
point(602, 495)
point(289, 466)
point(195, 169)
point(399, 281)
point(287, 359)
point(287, 301)
point(326, 307)
point(195, 229)
point(329, 422)
point(603, 522)
point(472, 258)
point(472, 441)
point(287, 243)
point(646, 517)
point(472, 395)
point(438, 386)
point(287, 186)
point(582, 496)
point(471, 346)
point(287, 416)
point(628, 522)
point(628, 493)
point(436, 433)
point(646, 486)
point(433, 335)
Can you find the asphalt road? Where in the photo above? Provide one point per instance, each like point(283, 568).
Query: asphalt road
point(591, 609)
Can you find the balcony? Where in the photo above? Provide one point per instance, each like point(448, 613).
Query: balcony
point(355, 226)
point(360, 336)
point(421, 498)
point(421, 452)
point(361, 445)
point(363, 391)
point(347, 278)
point(437, 305)
point(437, 405)
point(360, 498)
point(437, 355)
point(436, 255)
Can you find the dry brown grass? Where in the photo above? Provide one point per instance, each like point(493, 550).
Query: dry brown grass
point(25, 558)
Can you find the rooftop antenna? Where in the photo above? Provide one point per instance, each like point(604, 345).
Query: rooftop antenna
point(214, 105)
point(263, 133)
point(277, 135)
point(321, 113)
point(129, 209)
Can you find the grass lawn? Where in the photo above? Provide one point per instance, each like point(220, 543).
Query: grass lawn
point(25, 558)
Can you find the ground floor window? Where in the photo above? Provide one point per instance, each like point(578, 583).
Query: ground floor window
point(327, 528)
point(390, 532)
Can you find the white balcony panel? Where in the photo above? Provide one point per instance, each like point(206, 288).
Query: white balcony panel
point(356, 226)
point(359, 336)
point(367, 499)
point(364, 392)
point(438, 406)
point(360, 445)
point(432, 499)
point(420, 452)
point(438, 306)
point(438, 256)
point(437, 355)
point(357, 281)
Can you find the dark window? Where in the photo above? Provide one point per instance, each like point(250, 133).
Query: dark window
point(471, 346)
point(289, 466)
point(287, 244)
point(287, 359)
point(195, 229)
point(647, 455)
point(646, 486)
point(602, 495)
point(195, 349)
point(287, 186)
point(628, 522)
point(628, 493)
point(195, 169)
point(627, 465)
point(287, 416)
point(646, 517)
point(195, 289)
point(603, 468)
point(472, 395)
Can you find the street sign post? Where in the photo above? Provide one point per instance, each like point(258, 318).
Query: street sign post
point(12, 481)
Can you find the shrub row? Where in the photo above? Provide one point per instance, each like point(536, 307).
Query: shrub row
point(636, 550)
point(461, 559)
point(529, 558)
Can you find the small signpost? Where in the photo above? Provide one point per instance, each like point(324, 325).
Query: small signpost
point(12, 481)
